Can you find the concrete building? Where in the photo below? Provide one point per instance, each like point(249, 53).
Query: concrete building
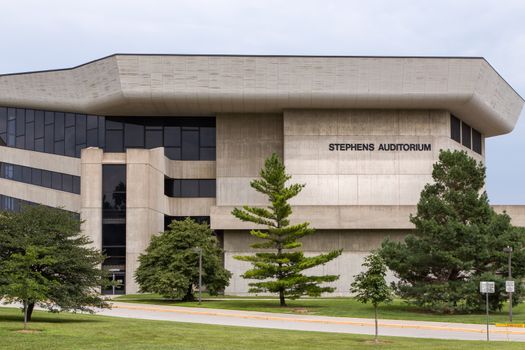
point(133, 141)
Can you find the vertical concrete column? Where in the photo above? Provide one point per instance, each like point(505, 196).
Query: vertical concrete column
point(91, 194)
point(145, 204)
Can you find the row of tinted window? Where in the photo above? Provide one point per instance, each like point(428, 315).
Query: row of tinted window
point(40, 177)
point(182, 138)
point(67, 133)
point(12, 204)
point(189, 188)
point(50, 132)
point(462, 132)
point(15, 204)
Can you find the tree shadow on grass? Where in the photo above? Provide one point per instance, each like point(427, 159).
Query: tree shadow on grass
point(47, 319)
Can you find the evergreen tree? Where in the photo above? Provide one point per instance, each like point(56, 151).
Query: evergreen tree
point(45, 260)
point(280, 271)
point(370, 285)
point(458, 240)
point(170, 264)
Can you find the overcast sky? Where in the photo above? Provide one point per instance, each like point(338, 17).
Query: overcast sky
point(38, 34)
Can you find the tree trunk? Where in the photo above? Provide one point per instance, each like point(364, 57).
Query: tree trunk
point(30, 309)
point(376, 339)
point(25, 315)
point(189, 294)
point(281, 297)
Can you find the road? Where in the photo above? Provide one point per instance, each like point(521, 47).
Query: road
point(416, 329)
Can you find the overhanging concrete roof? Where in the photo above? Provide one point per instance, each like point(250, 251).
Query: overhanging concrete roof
point(151, 85)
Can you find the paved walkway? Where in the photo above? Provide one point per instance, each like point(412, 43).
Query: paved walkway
point(417, 329)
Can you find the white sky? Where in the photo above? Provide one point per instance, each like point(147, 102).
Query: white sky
point(39, 34)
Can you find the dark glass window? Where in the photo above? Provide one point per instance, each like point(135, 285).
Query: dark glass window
point(49, 118)
point(49, 139)
point(69, 120)
point(76, 184)
point(207, 154)
point(207, 137)
point(114, 141)
point(207, 188)
point(69, 142)
point(30, 115)
point(59, 126)
point(92, 138)
point(113, 190)
point(455, 129)
point(17, 173)
point(465, 135)
point(39, 124)
point(80, 129)
point(36, 177)
point(3, 120)
point(92, 122)
point(113, 235)
point(153, 138)
point(26, 175)
point(46, 178)
point(172, 153)
point(20, 121)
point(30, 136)
point(172, 136)
point(11, 137)
point(20, 141)
point(190, 144)
point(39, 145)
point(189, 187)
point(133, 136)
point(101, 132)
point(56, 180)
point(476, 141)
point(67, 183)
point(59, 147)
point(39, 177)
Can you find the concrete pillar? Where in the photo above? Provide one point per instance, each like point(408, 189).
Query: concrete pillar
point(91, 198)
point(145, 204)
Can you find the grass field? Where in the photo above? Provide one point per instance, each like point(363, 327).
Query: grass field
point(342, 307)
point(69, 331)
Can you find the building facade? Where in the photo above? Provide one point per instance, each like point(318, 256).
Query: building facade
point(132, 142)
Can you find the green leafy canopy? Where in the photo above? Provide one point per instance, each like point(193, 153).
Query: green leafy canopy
point(170, 264)
point(44, 259)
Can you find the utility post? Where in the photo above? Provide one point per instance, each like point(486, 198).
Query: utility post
point(509, 284)
point(487, 288)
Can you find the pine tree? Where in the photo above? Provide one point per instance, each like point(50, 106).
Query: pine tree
point(458, 240)
point(279, 268)
point(370, 285)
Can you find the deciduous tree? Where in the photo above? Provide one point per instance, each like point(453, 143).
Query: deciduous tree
point(45, 260)
point(370, 285)
point(170, 264)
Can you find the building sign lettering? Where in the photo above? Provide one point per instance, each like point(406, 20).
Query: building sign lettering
point(381, 147)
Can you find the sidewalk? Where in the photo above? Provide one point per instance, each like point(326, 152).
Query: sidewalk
point(417, 329)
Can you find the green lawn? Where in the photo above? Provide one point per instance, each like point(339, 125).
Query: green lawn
point(69, 331)
point(344, 307)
